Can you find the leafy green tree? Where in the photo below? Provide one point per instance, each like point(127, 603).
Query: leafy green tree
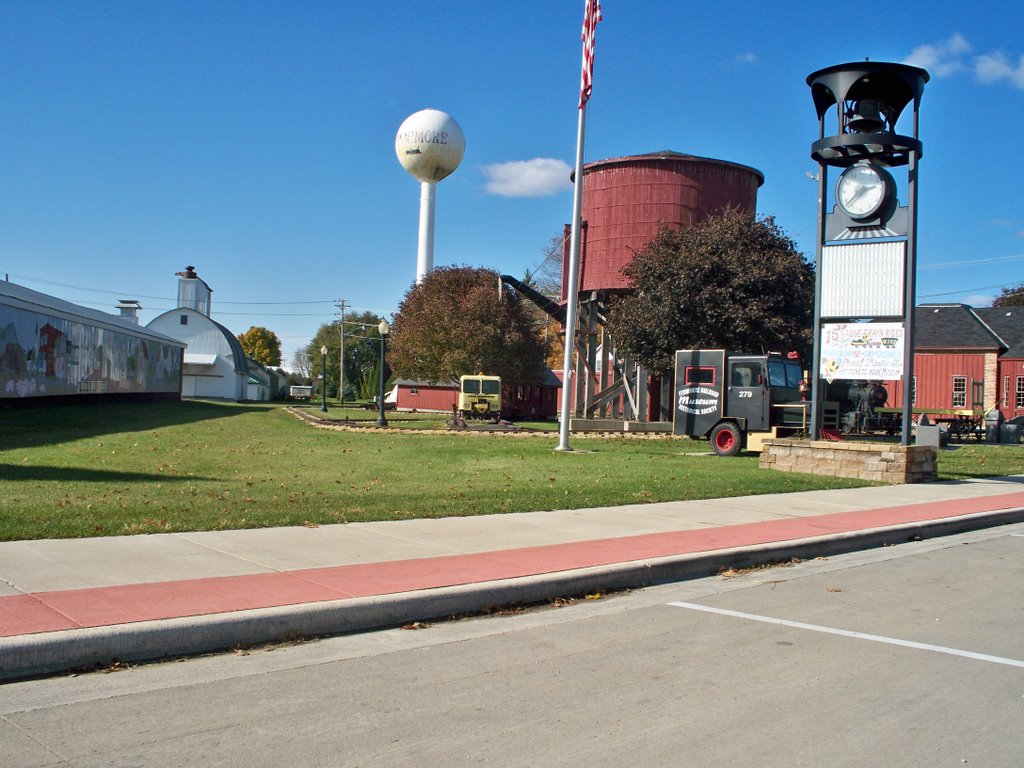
point(367, 386)
point(731, 282)
point(1012, 296)
point(362, 351)
point(456, 322)
point(261, 345)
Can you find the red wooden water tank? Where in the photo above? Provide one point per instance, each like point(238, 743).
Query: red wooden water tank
point(626, 199)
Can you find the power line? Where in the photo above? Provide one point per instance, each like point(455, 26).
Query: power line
point(160, 298)
point(971, 262)
point(218, 312)
point(962, 290)
point(273, 314)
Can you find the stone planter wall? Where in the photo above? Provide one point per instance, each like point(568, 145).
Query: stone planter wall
point(894, 464)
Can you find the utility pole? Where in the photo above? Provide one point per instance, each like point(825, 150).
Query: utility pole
point(342, 304)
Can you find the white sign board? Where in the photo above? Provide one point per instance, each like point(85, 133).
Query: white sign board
point(699, 401)
point(863, 279)
point(869, 351)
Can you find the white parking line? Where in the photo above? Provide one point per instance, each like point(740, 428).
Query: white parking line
point(858, 635)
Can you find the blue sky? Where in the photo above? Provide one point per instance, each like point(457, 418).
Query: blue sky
point(255, 140)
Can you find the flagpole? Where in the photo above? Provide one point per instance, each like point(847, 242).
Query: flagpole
point(568, 385)
point(591, 15)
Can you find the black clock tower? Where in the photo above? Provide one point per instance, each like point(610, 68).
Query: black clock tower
point(866, 246)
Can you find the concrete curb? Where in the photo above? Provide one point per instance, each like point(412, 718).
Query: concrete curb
point(52, 652)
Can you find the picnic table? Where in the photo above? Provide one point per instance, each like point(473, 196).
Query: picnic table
point(962, 424)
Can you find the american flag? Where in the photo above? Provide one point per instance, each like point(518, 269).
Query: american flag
point(590, 19)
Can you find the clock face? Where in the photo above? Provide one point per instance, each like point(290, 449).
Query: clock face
point(862, 191)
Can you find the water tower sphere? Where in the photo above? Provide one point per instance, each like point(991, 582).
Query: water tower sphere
point(430, 145)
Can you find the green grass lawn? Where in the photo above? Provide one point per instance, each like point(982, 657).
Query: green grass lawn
point(120, 469)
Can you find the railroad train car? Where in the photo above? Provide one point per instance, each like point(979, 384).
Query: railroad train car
point(480, 397)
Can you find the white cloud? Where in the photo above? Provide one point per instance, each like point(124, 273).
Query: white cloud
point(747, 58)
point(996, 66)
point(950, 56)
point(941, 59)
point(978, 300)
point(539, 177)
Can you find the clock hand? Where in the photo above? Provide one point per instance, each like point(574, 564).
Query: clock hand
point(857, 192)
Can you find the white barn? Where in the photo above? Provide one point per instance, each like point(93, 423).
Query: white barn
point(215, 366)
point(264, 383)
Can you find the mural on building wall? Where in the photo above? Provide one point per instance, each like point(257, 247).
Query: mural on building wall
point(44, 355)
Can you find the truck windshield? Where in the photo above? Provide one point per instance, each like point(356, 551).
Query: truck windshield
point(793, 375)
point(471, 386)
point(777, 374)
point(784, 374)
point(491, 387)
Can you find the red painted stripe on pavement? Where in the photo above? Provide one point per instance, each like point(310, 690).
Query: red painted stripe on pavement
point(25, 614)
point(105, 606)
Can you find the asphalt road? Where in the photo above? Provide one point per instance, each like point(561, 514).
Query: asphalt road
point(906, 656)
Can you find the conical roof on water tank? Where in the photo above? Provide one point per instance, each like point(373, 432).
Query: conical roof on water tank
point(626, 200)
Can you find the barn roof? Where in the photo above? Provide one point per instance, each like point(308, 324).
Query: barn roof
point(419, 383)
point(954, 326)
point(239, 358)
point(19, 296)
point(1008, 322)
point(547, 378)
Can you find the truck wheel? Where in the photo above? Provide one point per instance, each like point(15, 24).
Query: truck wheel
point(726, 439)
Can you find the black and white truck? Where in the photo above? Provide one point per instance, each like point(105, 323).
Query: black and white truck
point(737, 400)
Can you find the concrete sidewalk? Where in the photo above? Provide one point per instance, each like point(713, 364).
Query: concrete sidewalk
point(73, 603)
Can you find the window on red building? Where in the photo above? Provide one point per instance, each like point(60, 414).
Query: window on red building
point(959, 391)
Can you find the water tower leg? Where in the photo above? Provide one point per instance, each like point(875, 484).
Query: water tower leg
point(588, 395)
point(641, 394)
point(425, 253)
point(606, 374)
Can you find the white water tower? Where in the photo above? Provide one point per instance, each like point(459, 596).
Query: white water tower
point(430, 146)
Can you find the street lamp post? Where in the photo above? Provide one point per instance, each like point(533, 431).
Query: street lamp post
point(383, 328)
point(323, 371)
